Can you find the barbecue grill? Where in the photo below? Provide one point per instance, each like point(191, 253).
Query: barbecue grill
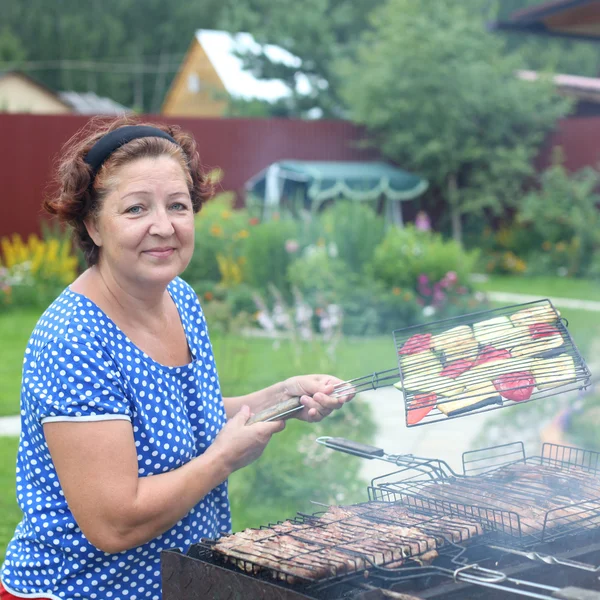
point(461, 547)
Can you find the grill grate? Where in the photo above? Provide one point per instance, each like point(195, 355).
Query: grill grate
point(485, 361)
point(530, 500)
point(342, 540)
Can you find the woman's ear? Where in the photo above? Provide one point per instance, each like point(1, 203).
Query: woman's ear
point(92, 229)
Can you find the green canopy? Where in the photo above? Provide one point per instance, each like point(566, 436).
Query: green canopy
point(319, 181)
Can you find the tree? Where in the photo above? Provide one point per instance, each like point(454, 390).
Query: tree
point(439, 96)
point(319, 32)
point(10, 46)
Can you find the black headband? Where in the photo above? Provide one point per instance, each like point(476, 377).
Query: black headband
point(106, 145)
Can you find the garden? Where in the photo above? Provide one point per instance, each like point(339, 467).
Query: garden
point(282, 297)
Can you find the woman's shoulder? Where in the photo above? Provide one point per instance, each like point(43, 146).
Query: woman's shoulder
point(71, 318)
point(184, 295)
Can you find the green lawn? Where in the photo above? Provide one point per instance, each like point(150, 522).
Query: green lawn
point(15, 329)
point(560, 287)
point(11, 513)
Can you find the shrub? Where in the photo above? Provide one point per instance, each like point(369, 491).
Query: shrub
point(563, 214)
point(269, 253)
point(34, 272)
point(221, 236)
point(405, 254)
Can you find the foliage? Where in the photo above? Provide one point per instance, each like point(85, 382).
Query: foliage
point(563, 213)
point(294, 471)
point(147, 38)
point(219, 252)
point(474, 127)
point(355, 230)
point(317, 31)
point(34, 272)
point(405, 254)
point(268, 254)
point(541, 53)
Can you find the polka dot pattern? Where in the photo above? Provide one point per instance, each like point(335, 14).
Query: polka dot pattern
point(80, 366)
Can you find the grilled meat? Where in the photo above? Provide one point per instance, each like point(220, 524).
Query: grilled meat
point(343, 539)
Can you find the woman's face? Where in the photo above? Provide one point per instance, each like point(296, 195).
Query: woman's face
point(145, 226)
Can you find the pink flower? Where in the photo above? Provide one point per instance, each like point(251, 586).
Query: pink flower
point(423, 279)
point(291, 246)
point(461, 290)
point(451, 277)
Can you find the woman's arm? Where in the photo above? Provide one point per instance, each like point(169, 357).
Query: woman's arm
point(97, 467)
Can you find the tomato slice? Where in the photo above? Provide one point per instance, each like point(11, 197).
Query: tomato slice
point(523, 381)
point(416, 343)
point(457, 367)
point(490, 353)
point(541, 330)
point(417, 412)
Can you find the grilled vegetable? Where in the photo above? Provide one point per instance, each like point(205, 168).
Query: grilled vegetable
point(536, 314)
point(471, 398)
point(421, 406)
point(416, 343)
point(490, 354)
point(553, 372)
point(541, 330)
point(456, 368)
point(516, 386)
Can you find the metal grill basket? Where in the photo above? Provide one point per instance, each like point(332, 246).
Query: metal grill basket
point(486, 360)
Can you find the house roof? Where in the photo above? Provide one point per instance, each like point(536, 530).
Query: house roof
point(583, 88)
point(578, 19)
point(44, 88)
point(221, 48)
point(88, 103)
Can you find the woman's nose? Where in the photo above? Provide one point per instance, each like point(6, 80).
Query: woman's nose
point(161, 223)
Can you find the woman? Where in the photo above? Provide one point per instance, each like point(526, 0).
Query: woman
point(126, 441)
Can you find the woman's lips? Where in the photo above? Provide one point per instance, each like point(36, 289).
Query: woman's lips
point(160, 252)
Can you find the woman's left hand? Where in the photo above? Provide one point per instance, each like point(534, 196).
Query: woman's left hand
point(315, 394)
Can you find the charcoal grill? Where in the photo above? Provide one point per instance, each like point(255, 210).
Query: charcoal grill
point(500, 560)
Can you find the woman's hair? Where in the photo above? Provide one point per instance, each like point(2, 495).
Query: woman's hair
point(80, 194)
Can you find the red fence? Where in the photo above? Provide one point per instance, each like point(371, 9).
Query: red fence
point(30, 144)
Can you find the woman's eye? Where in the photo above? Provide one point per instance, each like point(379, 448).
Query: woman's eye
point(178, 206)
point(134, 210)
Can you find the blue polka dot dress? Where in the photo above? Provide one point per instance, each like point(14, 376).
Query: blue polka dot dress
point(80, 367)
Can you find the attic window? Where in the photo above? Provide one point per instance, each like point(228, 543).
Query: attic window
point(194, 83)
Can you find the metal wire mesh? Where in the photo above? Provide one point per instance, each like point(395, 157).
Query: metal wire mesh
point(485, 361)
point(535, 499)
point(342, 540)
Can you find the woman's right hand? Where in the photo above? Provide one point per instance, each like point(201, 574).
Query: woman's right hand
point(239, 444)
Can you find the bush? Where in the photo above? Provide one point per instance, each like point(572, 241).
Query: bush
point(355, 230)
point(221, 236)
point(270, 250)
point(564, 215)
point(34, 273)
point(405, 254)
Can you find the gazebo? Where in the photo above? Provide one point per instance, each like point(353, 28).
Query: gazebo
point(302, 187)
point(574, 19)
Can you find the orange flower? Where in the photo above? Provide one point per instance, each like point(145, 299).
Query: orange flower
point(254, 221)
point(396, 291)
point(208, 296)
point(546, 246)
point(216, 230)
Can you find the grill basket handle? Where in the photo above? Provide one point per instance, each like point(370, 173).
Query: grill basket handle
point(277, 412)
point(355, 448)
point(576, 593)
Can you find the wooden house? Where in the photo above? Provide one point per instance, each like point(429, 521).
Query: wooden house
point(212, 73)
